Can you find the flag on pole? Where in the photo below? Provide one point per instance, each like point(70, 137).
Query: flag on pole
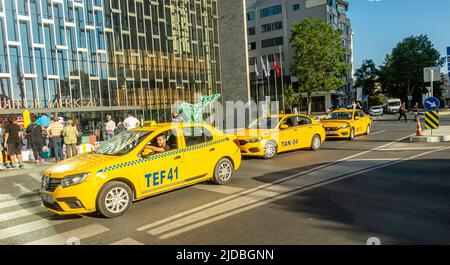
point(275, 65)
point(268, 67)
point(264, 67)
point(256, 70)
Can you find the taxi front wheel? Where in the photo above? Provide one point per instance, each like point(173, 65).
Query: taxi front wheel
point(114, 199)
point(223, 171)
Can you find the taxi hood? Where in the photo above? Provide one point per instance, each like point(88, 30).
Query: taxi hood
point(252, 133)
point(335, 123)
point(80, 164)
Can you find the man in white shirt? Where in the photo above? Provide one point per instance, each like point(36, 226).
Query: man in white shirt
point(131, 122)
point(110, 127)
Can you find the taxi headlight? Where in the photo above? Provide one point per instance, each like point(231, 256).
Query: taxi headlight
point(74, 179)
point(255, 140)
point(344, 127)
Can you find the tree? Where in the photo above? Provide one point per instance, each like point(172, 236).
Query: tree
point(402, 73)
point(319, 59)
point(290, 98)
point(378, 100)
point(367, 78)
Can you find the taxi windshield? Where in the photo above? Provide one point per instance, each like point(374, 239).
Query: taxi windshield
point(340, 116)
point(122, 143)
point(264, 123)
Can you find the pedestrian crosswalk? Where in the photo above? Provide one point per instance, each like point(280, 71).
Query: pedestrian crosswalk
point(65, 238)
point(23, 220)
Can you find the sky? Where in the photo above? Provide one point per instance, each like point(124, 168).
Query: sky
point(380, 24)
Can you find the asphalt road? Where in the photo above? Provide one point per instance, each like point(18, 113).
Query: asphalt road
point(376, 186)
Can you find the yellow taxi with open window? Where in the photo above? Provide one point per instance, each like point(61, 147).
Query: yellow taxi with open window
point(270, 135)
point(347, 124)
point(139, 163)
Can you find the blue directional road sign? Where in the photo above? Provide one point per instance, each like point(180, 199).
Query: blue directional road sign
point(432, 104)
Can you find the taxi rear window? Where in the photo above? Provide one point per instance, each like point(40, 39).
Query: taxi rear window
point(122, 143)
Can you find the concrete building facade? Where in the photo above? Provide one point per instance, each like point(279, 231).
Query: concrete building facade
point(269, 23)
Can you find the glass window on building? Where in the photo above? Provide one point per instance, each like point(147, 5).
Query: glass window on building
point(252, 46)
point(27, 48)
point(3, 49)
point(5, 90)
point(272, 42)
point(251, 31)
point(251, 16)
point(11, 21)
point(296, 7)
point(23, 7)
point(270, 11)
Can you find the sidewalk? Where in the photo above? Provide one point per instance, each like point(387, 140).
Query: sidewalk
point(29, 167)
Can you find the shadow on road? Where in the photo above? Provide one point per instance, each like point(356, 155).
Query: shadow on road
point(406, 203)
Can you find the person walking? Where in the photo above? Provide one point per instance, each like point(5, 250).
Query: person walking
point(402, 112)
point(36, 137)
point(54, 133)
point(416, 111)
point(13, 142)
point(70, 135)
point(2, 149)
point(131, 122)
point(110, 127)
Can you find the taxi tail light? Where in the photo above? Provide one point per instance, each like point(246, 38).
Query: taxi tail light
point(236, 141)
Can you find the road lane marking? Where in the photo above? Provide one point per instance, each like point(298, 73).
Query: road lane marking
point(219, 189)
point(21, 229)
point(210, 218)
point(376, 159)
point(411, 148)
point(80, 233)
point(375, 133)
point(244, 192)
point(127, 241)
point(21, 213)
point(263, 196)
point(17, 202)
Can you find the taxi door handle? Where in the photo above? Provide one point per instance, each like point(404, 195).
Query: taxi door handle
point(212, 149)
point(176, 158)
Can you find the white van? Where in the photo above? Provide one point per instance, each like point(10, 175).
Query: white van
point(393, 105)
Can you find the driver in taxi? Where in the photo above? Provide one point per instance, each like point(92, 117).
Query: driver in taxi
point(161, 143)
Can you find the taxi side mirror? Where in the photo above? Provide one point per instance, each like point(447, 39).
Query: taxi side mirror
point(146, 152)
point(283, 127)
point(357, 118)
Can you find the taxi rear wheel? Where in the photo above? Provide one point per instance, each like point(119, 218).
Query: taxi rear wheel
point(223, 171)
point(114, 199)
point(316, 142)
point(270, 150)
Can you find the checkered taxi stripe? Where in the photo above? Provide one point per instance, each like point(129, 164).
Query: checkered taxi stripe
point(162, 155)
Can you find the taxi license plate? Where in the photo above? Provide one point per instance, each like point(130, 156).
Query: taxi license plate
point(47, 198)
point(329, 133)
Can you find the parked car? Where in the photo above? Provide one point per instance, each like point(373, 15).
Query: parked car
point(376, 111)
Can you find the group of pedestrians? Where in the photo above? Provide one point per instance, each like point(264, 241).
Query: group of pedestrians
point(403, 111)
point(53, 135)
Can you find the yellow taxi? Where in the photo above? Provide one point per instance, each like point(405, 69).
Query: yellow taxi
point(347, 124)
point(268, 136)
point(139, 163)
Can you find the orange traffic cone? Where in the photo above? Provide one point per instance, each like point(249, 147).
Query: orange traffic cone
point(419, 128)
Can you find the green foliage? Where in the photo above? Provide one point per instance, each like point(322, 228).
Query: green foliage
point(378, 100)
point(290, 97)
point(319, 60)
point(402, 72)
point(367, 77)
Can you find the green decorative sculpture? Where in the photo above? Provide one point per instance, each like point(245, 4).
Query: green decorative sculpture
point(194, 112)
